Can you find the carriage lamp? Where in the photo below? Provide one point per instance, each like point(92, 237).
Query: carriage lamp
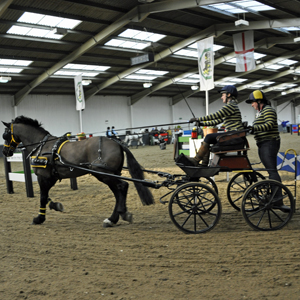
point(4, 79)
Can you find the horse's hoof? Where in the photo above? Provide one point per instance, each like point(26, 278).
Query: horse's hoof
point(38, 220)
point(127, 217)
point(57, 206)
point(108, 223)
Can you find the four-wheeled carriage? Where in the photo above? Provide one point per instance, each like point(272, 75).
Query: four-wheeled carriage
point(195, 209)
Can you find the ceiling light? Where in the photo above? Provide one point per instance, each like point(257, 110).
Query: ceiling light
point(283, 93)
point(297, 39)
point(4, 79)
point(241, 22)
point(86, 82)
point(62, 31)
point(147, 85)
point(194, 87)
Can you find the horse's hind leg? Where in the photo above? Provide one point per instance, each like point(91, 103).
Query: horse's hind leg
point(45, 185)
point(119, 189)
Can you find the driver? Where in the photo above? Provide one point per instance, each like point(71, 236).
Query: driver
point(229, 115)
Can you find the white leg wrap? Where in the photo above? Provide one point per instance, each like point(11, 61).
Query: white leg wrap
point(107, 223)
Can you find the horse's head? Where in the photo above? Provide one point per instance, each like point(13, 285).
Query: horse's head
point(10, 142)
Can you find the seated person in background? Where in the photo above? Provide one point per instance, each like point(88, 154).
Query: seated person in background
point(108, 132)
point(229, 115)
point(113, 132)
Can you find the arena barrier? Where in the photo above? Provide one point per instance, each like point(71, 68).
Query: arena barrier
point(25, 175)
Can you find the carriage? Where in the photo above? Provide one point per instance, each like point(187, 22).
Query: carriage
point(194, 205)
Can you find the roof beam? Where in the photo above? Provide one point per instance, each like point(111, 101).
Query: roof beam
point(4, 5)
point(137, 14)
point(260, 44)
point(165, 53)
point(212, 30)
point(75, 54)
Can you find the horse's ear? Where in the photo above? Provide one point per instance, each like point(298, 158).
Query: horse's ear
point(6, 124)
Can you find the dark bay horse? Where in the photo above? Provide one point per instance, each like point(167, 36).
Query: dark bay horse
point(56, 158)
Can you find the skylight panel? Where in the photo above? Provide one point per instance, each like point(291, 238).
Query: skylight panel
point(127, 44)
point(45, 20)
point(287, 62)
point(237, 7)
point(292, 28)
point(274, 67)
point(191, 50)
point(81, 69)
point(188, 80)
point(51, 21)
point(135, 39)
point(141, 35)
point(151, 72)
point(10, 70)
point(140, 77)
point(15, 62)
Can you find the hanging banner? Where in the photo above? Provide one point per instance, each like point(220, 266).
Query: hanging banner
point(206, 63)
point(80, 103)
point(244, 51)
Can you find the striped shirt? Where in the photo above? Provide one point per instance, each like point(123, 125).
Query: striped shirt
point(229, 115)
point(265, 126)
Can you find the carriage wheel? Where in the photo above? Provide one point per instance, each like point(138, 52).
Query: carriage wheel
point(195, 208)
point(210, 182)
point(261, 209)
point(237, 187)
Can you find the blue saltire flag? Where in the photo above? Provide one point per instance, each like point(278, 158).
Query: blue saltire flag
point(289, 163)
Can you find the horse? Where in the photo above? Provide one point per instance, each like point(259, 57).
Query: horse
point(56, 158)
point(138, 137)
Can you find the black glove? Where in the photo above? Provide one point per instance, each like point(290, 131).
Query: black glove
point(250, 129)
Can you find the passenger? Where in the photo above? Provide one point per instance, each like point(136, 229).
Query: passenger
point(266, 134)
point(229, 115)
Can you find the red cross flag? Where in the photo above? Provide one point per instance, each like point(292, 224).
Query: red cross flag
point(244, 51)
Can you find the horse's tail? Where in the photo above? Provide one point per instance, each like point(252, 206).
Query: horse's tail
point(136, 172)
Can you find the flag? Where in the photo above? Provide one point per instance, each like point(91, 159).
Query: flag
point(206, 63)
point(288, 164)
point(244, 51)
point(80, 103)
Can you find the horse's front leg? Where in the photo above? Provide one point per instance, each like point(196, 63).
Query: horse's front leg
point(45, 185)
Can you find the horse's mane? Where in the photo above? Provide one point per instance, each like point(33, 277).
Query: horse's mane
point(29, 121)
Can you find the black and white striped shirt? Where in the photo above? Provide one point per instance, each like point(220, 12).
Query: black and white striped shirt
point(229, 115)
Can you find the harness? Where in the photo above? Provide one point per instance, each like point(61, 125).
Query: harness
point(13, 143)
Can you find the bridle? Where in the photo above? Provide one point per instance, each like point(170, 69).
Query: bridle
point(13, 143)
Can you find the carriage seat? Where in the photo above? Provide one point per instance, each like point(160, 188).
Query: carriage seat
point(231, 142)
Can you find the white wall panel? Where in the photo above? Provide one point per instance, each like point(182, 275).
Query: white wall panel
point(58, 115)
point(6, 112)
point(101, 112)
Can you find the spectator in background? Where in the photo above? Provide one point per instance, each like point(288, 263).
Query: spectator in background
point(284, 126)
point(113, 132)
point(108, 132)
